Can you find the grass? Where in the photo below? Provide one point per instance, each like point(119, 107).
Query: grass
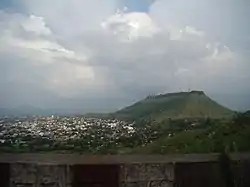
point(181, 105)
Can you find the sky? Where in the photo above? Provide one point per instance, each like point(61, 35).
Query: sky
point(92, 55)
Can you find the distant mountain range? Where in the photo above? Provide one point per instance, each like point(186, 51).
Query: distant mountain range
point(34, 111)
point(194, 104)
point(23, 111)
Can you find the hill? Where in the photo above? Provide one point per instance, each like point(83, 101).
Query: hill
point(182, 105)
point(211, 136)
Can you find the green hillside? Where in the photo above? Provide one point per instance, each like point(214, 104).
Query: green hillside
point(211, 136)
point(194, 104)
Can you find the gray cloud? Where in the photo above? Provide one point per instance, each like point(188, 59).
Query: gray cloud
point(225, 21)
point(89, 60)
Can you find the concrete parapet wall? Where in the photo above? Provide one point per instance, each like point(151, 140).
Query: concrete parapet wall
point(32, 175)
point(131, 175)
point(148, 175)
point(158, 171)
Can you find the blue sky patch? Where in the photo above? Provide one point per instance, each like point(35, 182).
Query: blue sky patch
point(136, 5)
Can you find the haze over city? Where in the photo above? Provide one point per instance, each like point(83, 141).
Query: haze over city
point(92, 55)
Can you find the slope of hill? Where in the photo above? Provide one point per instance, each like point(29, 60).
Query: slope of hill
point(212, 136)
point(194, 104)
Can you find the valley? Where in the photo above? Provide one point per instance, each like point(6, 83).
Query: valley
point(185, 122)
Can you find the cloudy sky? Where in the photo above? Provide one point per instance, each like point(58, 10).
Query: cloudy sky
point(95, 55)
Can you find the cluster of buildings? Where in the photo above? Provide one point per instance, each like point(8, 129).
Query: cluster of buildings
point(62, 129)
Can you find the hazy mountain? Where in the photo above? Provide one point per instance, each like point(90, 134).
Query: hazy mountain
point(23, 111)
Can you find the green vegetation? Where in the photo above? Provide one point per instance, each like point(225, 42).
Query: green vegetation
point(172, 136)
point(183, 105)
point(209, 136)
point(187, 122)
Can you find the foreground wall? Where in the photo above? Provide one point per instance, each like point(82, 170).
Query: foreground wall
point(207, 174)
point(147, 175)
point(32, 175)
point(131, 175)
point(184, 171)
point(241, 171)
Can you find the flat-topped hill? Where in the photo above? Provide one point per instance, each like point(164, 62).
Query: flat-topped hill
point(194, 104)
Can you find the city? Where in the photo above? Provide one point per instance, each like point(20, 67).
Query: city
point(25, 132)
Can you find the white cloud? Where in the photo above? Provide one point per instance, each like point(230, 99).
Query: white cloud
point(130, 26)
point(69, 18)
point(60, 67)
point(37, 25)
point(76, 49)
